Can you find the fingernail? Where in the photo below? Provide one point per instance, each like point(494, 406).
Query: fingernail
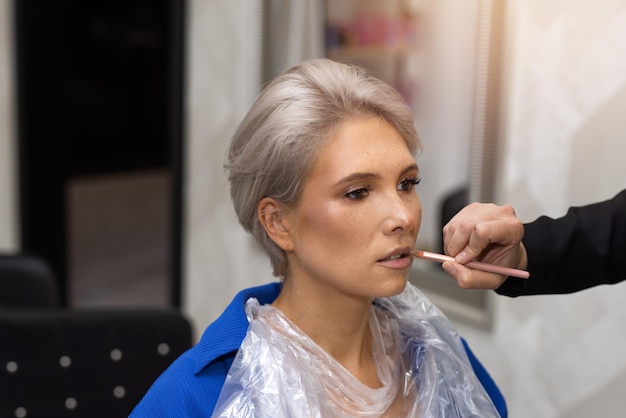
point(460, 257)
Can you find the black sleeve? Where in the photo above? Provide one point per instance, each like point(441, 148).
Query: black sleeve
point(584, 248)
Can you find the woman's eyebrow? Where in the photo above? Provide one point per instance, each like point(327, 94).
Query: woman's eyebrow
point(411, 167)
point(356, 177)
point(369, 176)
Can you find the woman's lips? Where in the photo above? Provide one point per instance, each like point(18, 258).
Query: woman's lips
point(399, 259)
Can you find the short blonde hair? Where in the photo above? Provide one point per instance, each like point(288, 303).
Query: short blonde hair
point(275, 147)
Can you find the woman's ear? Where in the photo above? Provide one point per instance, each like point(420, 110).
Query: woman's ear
point(275, 219)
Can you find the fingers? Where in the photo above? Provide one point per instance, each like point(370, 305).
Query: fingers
point(501, 233)
point(483, 232)
point(459, 229)
point(467, 278)
point(478, 226)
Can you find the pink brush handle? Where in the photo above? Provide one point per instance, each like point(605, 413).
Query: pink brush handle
point(491, 268)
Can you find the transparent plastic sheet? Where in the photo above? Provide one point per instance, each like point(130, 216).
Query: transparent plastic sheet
point(420, 360)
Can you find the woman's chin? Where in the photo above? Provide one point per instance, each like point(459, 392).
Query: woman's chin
point(393, 288)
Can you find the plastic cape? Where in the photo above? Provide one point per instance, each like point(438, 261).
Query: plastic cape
point(421, 364)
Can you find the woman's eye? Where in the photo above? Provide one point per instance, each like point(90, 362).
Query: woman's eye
point(408, 183)
point(357, 194)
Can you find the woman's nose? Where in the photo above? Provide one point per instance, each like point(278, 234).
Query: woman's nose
point(401, 215)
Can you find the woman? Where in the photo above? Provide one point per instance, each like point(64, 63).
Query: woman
point(323, 175)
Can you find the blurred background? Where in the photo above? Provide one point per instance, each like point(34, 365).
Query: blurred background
point(115, 117)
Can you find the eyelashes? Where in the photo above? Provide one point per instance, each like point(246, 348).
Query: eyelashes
point(409, 183)
point(360, 192)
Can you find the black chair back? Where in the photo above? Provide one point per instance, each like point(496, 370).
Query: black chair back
point(57, 362)
point(26, 282)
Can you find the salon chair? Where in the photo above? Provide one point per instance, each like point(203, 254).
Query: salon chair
point(57, 362)
point(26, 281)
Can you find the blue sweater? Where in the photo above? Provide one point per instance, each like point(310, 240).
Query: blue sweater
point(191, 385)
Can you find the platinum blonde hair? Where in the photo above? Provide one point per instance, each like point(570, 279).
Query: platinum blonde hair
point(276, 145)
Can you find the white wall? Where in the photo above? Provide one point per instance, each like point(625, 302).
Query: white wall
point(564, 144)
point(444, 111)
point(219, 258)
point(223, 80)
point(8, 178)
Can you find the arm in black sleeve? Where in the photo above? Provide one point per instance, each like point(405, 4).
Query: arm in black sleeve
point(584, 248)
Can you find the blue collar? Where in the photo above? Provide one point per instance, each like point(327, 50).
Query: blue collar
point(225, 334)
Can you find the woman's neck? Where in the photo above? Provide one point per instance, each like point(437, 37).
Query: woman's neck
point(337, 322)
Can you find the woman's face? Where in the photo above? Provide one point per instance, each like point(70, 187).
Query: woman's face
point(359, 215)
